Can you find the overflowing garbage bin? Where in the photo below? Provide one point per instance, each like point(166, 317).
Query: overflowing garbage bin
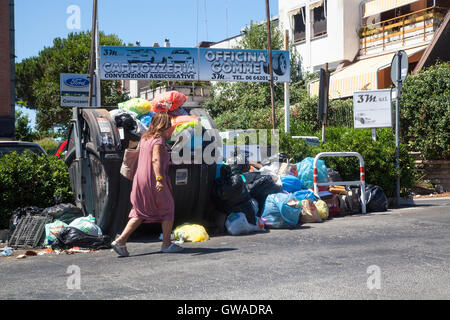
point(105, 144)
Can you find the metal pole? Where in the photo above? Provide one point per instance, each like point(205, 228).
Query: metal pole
point(287, 111)
point(325, 102)
point(92, 64)
point(269, 44)
point(397, 127)
point(98, 94)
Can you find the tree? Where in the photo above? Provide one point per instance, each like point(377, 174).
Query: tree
point(38, 78)
point(23, 132)
point(231, 100)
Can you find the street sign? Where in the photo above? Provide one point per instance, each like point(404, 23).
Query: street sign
point(399, 67)
point(74, 101)
point(72, 83)
point(372, 109)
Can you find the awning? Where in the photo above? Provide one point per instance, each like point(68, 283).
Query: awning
point(378, 6)
point(361, 75)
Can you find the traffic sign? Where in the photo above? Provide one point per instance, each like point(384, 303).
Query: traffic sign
point(399, 67)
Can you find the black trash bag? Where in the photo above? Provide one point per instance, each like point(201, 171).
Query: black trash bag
point(259, 187)
point(70, 237)
point(250, 208)
point(239, 164)
point(333, 175)
point(65, 212)
point(376, 200)
point(19, 213)
point(228, 193)
point(225, 172)
point(125, 121)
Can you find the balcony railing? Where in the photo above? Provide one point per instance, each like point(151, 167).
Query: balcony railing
point(400, 28)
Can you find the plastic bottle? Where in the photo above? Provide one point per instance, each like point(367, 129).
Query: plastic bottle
point(91, 218)
point(7, 251)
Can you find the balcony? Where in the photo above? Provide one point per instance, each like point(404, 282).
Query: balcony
point(406, 31)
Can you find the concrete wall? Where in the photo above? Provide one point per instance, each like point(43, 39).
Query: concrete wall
point(6, 71)
point(341, 41)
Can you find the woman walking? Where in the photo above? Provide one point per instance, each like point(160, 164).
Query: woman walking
point(151, 195)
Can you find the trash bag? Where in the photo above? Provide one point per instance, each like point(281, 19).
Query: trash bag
point(129, 121)
point(146, 119)
point(237, 224)
point(168, 101)
point(376, 200)
point(305, 195)
point(178, 112)
point(190, 232)
point(278, 158)
point(334, 207)
point(322, 209)
point(137, 105)
point(260, 186)
point(353, 200)
point(281, 210)
point(87, 225)
point(305, 171)
point(250, 208)
point(65, 212)
point(240, 162)
point(292, 184)
point(52, 230)
point(309, 212)
point(227, 193)
point(70, 237)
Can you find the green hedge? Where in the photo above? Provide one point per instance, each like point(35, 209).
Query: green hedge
point(31, 180)
point(425, 112)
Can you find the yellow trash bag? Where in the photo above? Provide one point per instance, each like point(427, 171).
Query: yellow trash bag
point(322, 209)
point(190, 232)
point(137, 105)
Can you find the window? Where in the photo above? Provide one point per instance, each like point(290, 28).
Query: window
point(299, 26)
point(319, 18)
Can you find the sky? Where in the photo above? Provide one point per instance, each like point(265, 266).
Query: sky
point(37, 23)
point(184, 22)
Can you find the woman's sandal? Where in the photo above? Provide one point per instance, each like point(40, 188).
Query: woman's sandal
point(173, 248)
point(120, 250)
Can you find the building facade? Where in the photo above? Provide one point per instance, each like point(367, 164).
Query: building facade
point(7, 65)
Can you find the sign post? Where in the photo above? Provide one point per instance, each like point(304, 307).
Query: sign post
point(399, 71)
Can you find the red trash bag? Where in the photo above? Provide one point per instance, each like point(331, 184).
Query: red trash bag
point(168, 101)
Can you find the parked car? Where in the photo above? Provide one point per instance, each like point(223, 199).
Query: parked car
point(143, 56)
point(20, 147)
point(363, 118)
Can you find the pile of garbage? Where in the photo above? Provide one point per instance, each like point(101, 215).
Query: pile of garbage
point(60, 228)
point(135, 115)
point(279, 194)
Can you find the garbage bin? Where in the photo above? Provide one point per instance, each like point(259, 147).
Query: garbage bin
point(192, 183)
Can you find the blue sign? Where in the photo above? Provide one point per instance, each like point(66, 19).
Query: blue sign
point(195, 64)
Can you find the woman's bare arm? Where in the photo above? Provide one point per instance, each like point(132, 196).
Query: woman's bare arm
point(156, 159)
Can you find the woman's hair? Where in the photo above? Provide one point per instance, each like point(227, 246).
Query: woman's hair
point(160, 123)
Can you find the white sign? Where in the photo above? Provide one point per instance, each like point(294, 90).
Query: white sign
point(72, 83)
point(74, 101)
point(372, 109)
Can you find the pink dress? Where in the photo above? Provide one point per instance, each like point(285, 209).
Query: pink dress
point(149, 204)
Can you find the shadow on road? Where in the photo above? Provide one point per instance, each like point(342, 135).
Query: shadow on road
point(192, 251)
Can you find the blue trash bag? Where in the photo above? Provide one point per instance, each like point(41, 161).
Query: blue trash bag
point(292, 184)
point(278, 214)
point(305, 171)
point(147, 118)
point(305, 195)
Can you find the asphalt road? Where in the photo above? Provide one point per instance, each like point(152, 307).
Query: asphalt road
point(399, 254)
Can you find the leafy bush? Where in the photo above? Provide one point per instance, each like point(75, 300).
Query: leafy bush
point(31, 180)
point(425, 112)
